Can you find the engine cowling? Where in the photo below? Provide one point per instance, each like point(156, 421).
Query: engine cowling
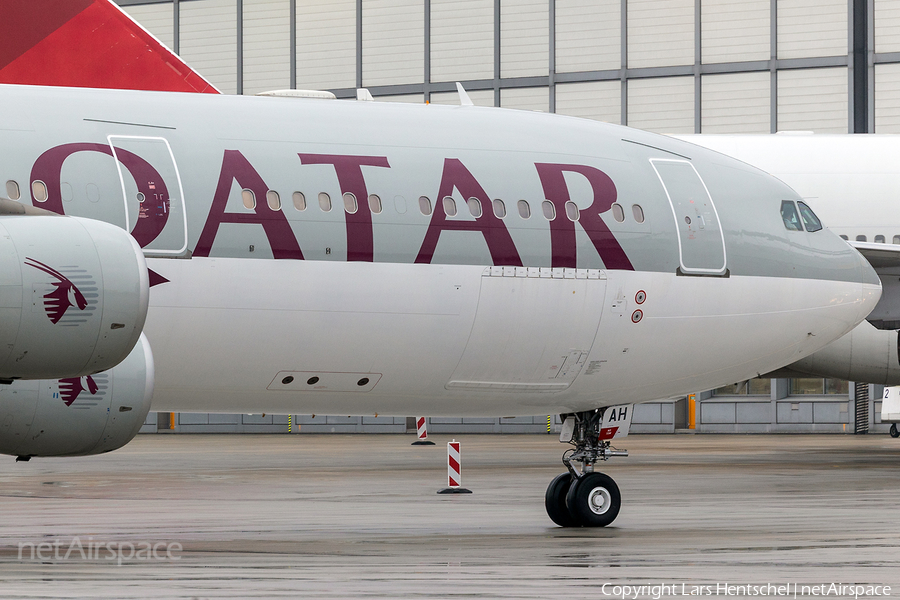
point(73, 296)
point(865, 354)
point(80, 415)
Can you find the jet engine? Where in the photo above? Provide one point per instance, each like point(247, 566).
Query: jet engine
point(78, 416)
point(73, 296)
point(865, 354)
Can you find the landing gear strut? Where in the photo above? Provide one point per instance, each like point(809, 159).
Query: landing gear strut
point(583, 497)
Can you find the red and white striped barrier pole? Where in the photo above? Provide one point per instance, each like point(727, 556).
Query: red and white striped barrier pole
point(421, 433)
point(454, 471)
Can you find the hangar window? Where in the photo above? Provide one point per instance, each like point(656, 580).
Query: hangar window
point(324, 201)
point(299, 201)
point(861, 238)
point(474, 207)
point(879, 239)
point(810, 220)
point(39, 190)
point(273, 199)
point(790, 217)
point(449, 206)
point(12, 190)
point(425, 205)
point(248, 198)
point(572, 211)
point(753, 387)
point(819, 387)
point(548, 209)
point(499, 208)
point(618, 212)
point(638, 213)
point(375, 204)
point(524, 209)
point(350, 203)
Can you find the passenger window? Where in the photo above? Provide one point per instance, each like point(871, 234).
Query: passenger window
point(879, 239)
point(844, 237)
point(375, 204)
point(638, 213)
point(810, 219)
point(39, 189)
point(12, 190)
point(548, 209)
point(350, 203)
point(299, 201)
point(572, 211)
point(524, 209)
point(499, 208)
point(618, 212)
point(474, 207)
point(860, 238)
point(449, 206)
point(790, 217)
point(425, 205)
point(249, 199)
point(324, 201)
point(273, 200)
point(896, 239)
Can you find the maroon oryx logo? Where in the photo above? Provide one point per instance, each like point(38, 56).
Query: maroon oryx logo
point(65, 294)
point(69, 389)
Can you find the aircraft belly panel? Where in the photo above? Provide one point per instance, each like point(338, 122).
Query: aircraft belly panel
point(402, 327)
point(533, 330)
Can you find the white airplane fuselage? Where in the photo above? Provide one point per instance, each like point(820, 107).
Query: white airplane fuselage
point(852, 181)
point(363, 303)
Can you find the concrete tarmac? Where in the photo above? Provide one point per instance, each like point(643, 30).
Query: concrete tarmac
point(357, 516)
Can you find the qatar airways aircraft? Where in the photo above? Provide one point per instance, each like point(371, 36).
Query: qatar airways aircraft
point(296, 256)
point(853, 182)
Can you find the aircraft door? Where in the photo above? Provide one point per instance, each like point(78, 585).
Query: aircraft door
point(152, 194)
point(533, 329)
point(701, 244)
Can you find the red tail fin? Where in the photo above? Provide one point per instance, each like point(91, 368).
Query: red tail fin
point(87, 43)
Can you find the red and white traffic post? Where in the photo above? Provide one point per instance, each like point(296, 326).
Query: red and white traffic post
point(454, 471)
point(422, 433)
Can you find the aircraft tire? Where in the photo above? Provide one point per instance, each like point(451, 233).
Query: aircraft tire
point(594, 500)
point(555, 501)
point(894, 432)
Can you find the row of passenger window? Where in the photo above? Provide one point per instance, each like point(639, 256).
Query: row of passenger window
point(351, 204)
point(448, 204)
point(878, 239)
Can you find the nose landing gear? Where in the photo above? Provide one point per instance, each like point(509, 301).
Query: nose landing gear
point(583, 497)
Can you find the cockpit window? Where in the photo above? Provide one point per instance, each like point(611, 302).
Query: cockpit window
point(790, 217)
point(810, 219)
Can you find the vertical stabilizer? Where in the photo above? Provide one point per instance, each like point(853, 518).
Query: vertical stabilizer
point(87, 43)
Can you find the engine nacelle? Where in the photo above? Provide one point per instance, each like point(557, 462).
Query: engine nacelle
point(866, 354)
point(73, 296)
point(80, 415)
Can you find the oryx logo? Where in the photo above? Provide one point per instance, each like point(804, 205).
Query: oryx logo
point(65, 293)
point(92, 387)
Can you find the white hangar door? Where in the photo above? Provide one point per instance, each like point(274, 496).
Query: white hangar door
point(701, 244)
point(533, 329)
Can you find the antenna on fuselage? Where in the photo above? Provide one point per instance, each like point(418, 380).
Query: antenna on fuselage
point(464, 99)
